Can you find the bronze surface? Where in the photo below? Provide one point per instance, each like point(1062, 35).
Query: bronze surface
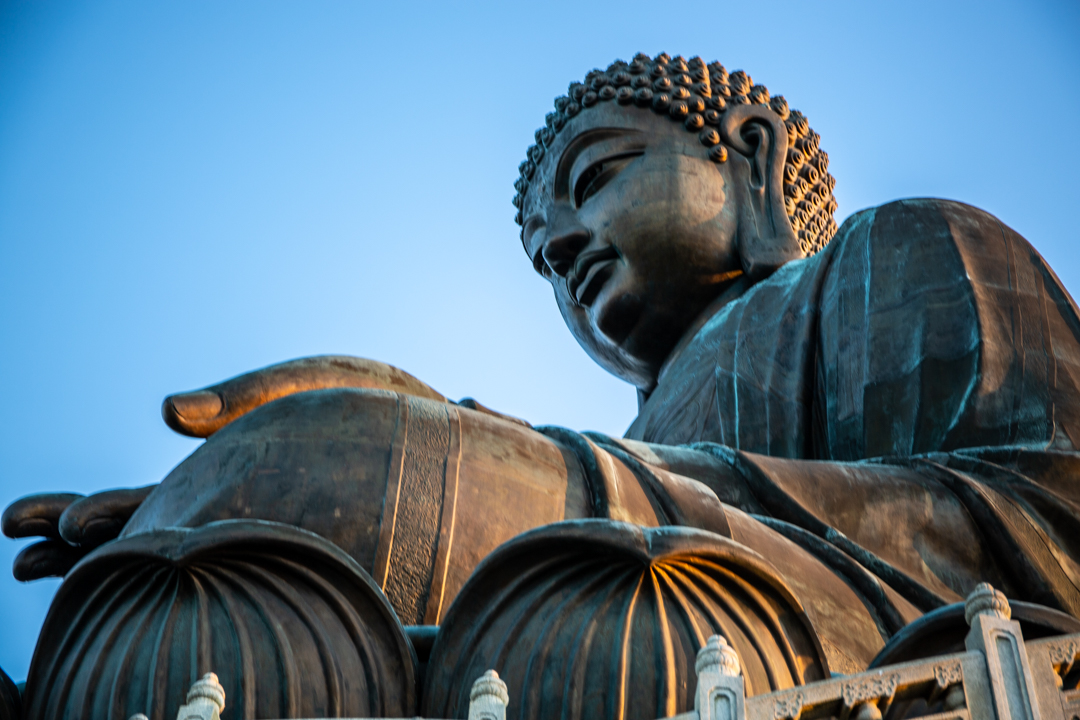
point(836, 436)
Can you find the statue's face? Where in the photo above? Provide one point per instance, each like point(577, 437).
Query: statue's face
point(634, 227)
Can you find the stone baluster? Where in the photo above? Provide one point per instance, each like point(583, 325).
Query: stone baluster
point(720, 691)
point(999, 638)
point(205, 700)
point(488, 698)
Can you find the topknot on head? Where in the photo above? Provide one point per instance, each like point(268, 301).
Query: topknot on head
point(697, 94)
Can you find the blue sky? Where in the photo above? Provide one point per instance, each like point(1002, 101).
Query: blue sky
point(190, 190)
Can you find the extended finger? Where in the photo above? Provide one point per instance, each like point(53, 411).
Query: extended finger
point(201, 413)
point(36, 515)
point(48, 558)
point(100, 517)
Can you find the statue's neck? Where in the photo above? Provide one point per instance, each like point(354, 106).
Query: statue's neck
point(732, 292)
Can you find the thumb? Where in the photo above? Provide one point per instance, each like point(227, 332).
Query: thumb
point(203, 412)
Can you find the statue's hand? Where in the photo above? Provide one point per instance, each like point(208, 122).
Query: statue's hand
point(201, 413)
point(71, 524)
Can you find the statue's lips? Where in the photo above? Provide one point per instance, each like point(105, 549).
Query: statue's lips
point(594, 269)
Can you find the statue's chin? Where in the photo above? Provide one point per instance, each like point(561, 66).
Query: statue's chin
point(621, 332)
point(617, 314)
point(616, 360)
point(632, 361)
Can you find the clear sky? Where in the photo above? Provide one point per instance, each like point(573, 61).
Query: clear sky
point(190, 190)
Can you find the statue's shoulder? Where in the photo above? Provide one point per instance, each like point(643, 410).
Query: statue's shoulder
point(939, 250)
point(918, 231)
point(935, 305)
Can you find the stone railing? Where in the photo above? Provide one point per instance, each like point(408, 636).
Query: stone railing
point(999, 677)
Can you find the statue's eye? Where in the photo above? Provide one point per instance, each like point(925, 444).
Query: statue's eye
point(599, 174)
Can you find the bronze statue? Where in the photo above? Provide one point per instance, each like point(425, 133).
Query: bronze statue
point(839, 432)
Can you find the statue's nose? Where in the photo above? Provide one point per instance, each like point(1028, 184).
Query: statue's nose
point(561, 251)
point(566, 238)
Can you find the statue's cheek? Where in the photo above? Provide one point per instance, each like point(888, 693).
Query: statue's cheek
point(702, 190)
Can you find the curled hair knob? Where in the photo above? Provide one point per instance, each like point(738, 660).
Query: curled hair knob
point(709, 137)
point(717, 103)
point(779, 106)
point(759, 95)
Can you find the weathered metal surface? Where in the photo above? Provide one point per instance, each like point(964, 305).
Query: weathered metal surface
point(888, 417)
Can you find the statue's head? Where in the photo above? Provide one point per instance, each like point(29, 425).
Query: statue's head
point(657, 187)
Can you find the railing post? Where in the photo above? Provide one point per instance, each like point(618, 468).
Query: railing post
point(205, 700)
point(488, 698)
point(999, 638)
point(720, 692)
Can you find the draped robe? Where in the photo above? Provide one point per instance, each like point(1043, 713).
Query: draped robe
point(911, 393)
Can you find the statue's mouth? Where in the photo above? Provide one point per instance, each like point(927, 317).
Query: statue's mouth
point(591, 271)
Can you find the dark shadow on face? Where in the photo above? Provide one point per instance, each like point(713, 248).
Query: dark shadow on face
point(635, 229)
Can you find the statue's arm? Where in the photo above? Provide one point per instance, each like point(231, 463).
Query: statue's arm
point(931, 527)
point(72, 525)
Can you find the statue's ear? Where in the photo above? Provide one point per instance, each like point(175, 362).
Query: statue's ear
point(765, 240)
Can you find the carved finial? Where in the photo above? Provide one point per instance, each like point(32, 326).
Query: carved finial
point(985, 599)
point(720, 688)
point(205, 700)
point(867, 711)
point(208, 687)
point(488, 698)
point(719, 657)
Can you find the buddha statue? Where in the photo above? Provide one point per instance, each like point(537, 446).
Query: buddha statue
point(839, 431)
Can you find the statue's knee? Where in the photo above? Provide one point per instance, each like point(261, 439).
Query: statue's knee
point(602, 619)
point(291, 625)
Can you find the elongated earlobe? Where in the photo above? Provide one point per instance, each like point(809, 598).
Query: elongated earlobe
point(766, 239)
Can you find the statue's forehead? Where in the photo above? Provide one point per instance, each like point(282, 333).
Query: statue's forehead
point(591, 120)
